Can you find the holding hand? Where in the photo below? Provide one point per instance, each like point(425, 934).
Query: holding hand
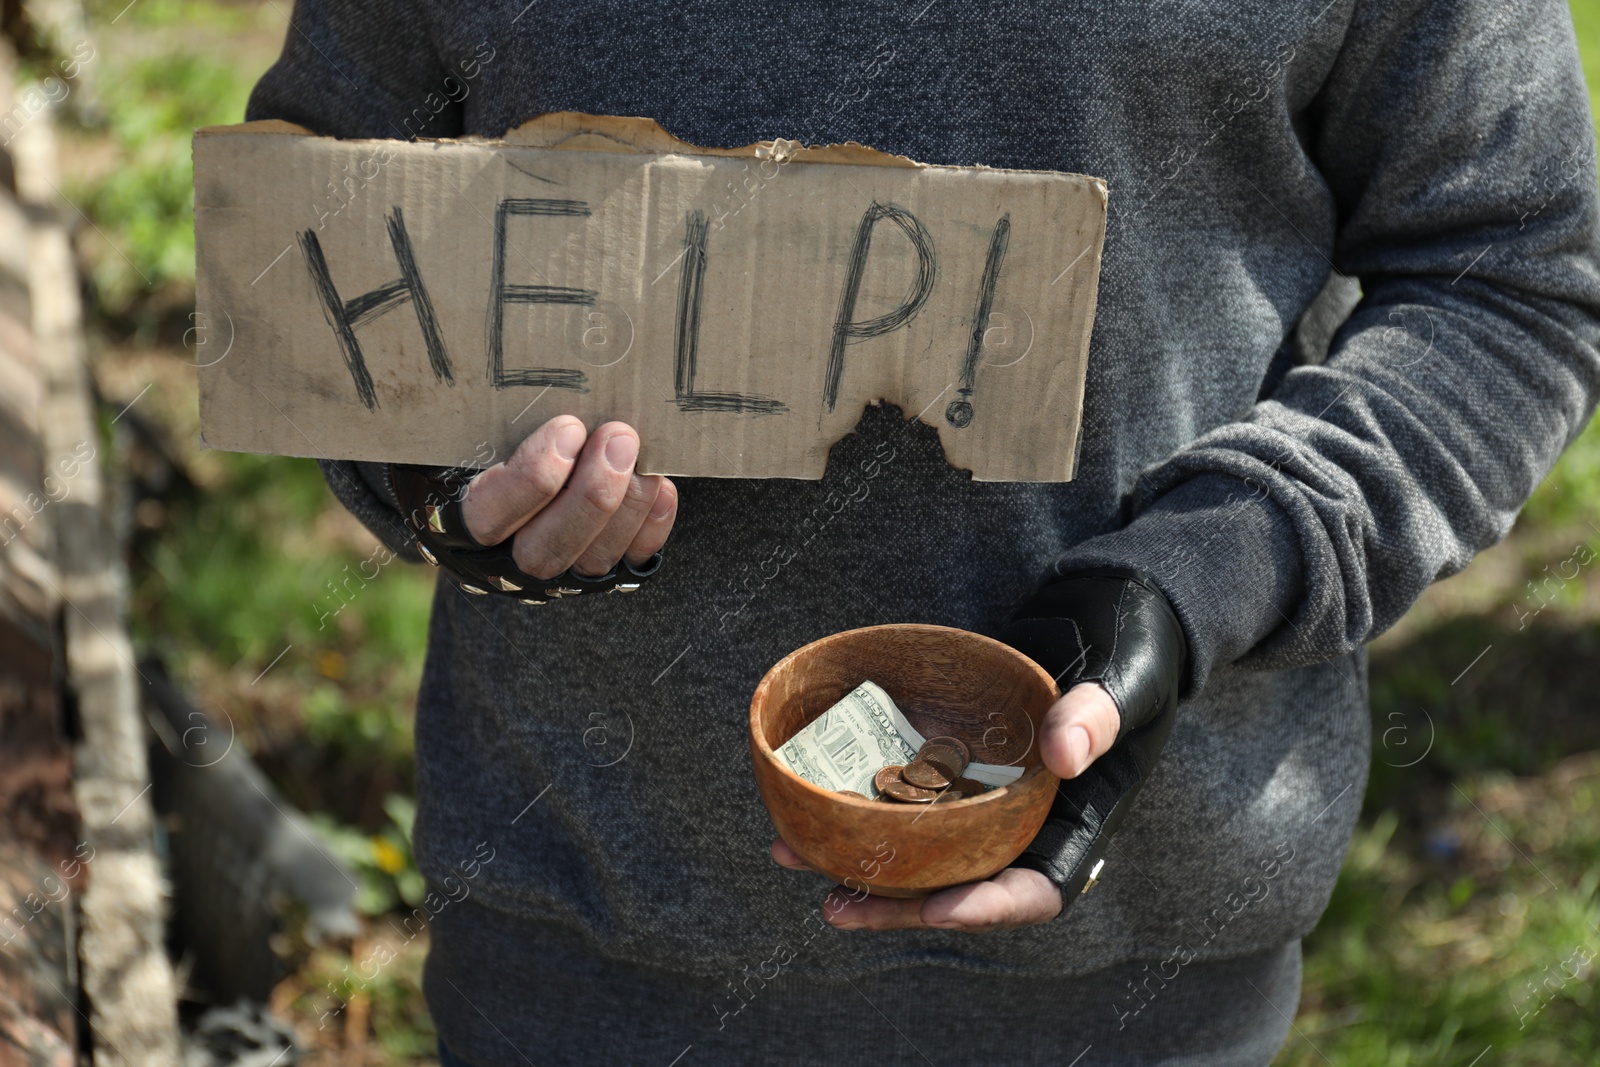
point(564, 514)
point(1112, 642)
point(1077, 730)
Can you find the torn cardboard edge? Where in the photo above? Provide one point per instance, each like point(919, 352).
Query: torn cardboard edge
point(577, 131)
point(863, 277)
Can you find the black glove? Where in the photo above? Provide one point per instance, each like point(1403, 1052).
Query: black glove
point(430, 501)
point(1112, 626)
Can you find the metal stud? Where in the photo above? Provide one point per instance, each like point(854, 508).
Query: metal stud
point(505, 586)
point(625, 587)
point(1094, 876)
point(427, 553)
point(474, 590)
point(530, 601)
point(435, 518)
point(564, 591)
point(553, 594)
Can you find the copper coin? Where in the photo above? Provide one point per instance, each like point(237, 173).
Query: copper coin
point(886, 776)
point(920, 772)
point(909, 793)
point(947, 796)
point(968, 787)
point(945, 759)
point(955, 743)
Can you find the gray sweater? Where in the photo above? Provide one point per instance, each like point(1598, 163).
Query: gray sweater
point(1292, 503)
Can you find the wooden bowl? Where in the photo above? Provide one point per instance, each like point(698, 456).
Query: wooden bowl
point(945, 681)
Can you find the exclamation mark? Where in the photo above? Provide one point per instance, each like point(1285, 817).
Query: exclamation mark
point(959, 413)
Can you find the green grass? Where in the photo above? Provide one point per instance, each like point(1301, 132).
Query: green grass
point(1430, 956)
point(1586, 23)
point(166, 70)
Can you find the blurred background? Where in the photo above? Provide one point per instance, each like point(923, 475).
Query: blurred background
point(1465, 924)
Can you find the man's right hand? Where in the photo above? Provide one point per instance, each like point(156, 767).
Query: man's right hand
point(568, 498)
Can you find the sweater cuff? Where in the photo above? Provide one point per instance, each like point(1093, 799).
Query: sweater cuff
point(364, 489)
point(1223, 554)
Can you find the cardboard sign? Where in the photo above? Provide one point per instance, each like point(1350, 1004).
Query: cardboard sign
point(436, 301)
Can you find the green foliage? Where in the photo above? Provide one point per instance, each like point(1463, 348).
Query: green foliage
point(384, 867)
point(149, 103)
point(241, 574)
point(1586, 21)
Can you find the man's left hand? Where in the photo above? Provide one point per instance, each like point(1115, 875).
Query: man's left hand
point(1077, 730)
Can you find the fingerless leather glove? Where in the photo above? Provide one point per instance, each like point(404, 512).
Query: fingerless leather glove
point(1111, 626)
point(430, 500)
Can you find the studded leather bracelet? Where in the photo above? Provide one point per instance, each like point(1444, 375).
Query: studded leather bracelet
point(430, 500)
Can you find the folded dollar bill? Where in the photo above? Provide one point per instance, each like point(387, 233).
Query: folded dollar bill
point(847, 745)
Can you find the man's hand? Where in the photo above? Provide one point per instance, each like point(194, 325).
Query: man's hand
point(1014, 897)
point(568, 498)
point(1077, 730)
